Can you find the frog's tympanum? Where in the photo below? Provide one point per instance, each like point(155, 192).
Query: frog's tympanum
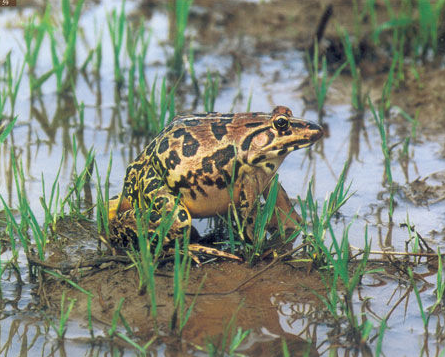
point(196, 163)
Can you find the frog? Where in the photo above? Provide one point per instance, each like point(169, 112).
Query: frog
point(203, 165)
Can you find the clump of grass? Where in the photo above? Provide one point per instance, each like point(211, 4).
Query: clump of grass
point(252, 250)
point(379, 118)
point(102, 200)
point(34, 34)
point(418, 25)
point(80, 180)
point(67, 61)
point(51, 212)
point(13, 83)
point(321, 85)
point(28, 219)
point(70, 28)
point(439, 292)
point(210, 91)
point(181, 276)
point(181, 14)
point(153, 113)
point(332, 257)
point(146, 258)
point(135, 39)
point(440, 284)
point(357, 98)
point(116, 27)
point(63, 319)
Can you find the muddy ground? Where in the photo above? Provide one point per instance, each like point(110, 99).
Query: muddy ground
point(252, 295)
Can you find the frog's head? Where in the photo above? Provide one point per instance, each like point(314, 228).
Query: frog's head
point(280, 133)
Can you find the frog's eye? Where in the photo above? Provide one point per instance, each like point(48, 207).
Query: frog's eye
point(281, 123)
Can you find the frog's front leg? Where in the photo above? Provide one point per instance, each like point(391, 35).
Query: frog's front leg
point(248, 204)
point(285, 215)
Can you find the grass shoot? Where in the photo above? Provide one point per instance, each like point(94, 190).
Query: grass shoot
point(321, 85)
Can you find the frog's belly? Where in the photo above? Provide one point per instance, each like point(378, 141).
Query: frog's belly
point(214, 202)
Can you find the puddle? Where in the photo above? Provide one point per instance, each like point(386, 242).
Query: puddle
point(257, 63)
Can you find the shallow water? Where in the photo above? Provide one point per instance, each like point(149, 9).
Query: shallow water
point(46, 126)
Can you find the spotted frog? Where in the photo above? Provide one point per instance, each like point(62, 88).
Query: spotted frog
point(201, 164)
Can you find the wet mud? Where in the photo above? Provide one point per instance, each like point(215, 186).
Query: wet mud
point(224, 290)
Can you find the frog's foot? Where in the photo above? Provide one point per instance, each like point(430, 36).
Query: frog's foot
point(212, 251)
point(197, 248)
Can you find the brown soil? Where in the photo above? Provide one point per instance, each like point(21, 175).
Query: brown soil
point(255, 304)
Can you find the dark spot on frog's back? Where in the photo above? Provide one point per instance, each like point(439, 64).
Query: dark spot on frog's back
point(163, 146)
point(173, 160)
point(182, 215)
point(220, 158)
point(207, 181)
point(282, 151)
point(179, 132)
point(219, 130)
point(220, 183)
point(152, 185)
point(190, 145)
point(223, 156)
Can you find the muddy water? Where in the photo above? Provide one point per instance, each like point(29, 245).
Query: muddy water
point(252, 59)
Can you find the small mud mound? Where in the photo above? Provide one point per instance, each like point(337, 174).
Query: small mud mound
point(259, 304)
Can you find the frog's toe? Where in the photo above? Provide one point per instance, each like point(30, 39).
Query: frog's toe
point(212, 251)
